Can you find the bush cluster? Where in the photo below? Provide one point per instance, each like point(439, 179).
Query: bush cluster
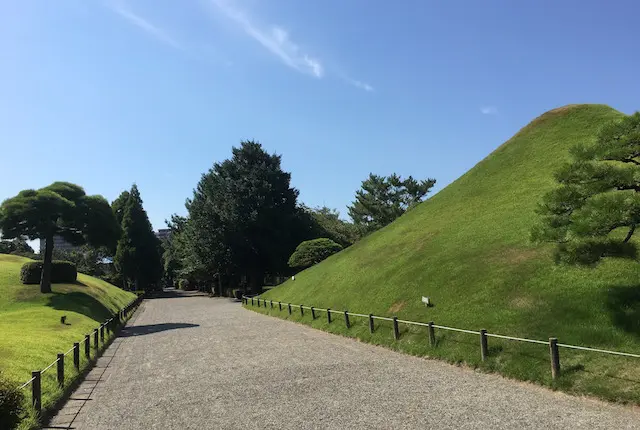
point(312, 252)
point(62, 272)
point(184, 284)
point(11, 403)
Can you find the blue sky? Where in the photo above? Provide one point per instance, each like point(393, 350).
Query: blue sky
point(107, 93)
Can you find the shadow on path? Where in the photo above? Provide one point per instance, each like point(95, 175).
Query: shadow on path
point(141, 330)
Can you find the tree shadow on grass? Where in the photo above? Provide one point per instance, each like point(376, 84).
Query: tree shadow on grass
point(81, 303)
point(623, 303)
point(141, 330)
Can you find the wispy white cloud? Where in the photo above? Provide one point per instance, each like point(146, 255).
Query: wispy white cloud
point(489, 110)
point(275, 39)
point(145, 25)
point(361, 85)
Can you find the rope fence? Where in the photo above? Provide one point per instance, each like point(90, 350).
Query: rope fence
point(110, 325)
point(484, 350)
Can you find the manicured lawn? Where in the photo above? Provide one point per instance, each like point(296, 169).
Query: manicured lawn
point(31, 333)
point(468, 249)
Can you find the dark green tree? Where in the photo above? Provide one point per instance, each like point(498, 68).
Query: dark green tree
point(382, 199)
point(243, 216)
point(312, 252)
point(174, 250)
point(594, 212)
point(327, 223)
point(61, 209)
point(88, 260)
point(17, 246)
point(138, 256)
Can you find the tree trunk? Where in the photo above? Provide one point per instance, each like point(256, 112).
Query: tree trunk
point(256, 279)
point(45, 281)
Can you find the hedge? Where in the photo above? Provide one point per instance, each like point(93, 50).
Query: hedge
point(62, 272)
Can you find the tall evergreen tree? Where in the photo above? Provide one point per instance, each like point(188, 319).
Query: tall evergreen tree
point(138, 254)
point(243, 216)
point(596, 209)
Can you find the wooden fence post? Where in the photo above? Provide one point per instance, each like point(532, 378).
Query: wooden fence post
point(36, 391)
point(555, 357)
point(280, 306)
point(301, 311)
point(87, 347)
point(484, 349)
point(95, 340)
point(102, 333)
point(289, 308)
point(60, 368)
point(271, 304)
point(432, 334)
point(251, 301)
point(346, 319)
point(76, 355)
point(371, 323)
point(329, 315)
point(313, 313)
point(396, 330)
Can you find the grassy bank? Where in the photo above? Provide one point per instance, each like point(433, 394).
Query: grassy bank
point(31, 333)
point(468, 249)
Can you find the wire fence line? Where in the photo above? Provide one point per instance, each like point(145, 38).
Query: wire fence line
point(111, 325)
point(552, 342)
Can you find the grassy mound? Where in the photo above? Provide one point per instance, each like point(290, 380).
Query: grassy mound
point(468, 249)
point(31, 333)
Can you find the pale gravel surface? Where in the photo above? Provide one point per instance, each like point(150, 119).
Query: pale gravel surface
point(239, 369)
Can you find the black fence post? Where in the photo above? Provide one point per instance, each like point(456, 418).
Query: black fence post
point(396, 330)
point(102, 334)
point(36, 391)
point(301, 311)
point(271, 302)
point(60, 366)
point(251, 301)
point(432, 334)
point(87, 347)
point(484, 349)
point(76, 355)
point(313, 313)
point(329, 315)
point(555, 357)
point(371, 323)
point(280, 306)
point(346, 319)
point(289, 308)
point(95, 339)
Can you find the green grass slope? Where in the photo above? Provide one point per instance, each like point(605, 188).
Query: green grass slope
point(468, 249)
point(30, 330)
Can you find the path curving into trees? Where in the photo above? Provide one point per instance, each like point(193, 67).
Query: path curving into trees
point(190, 362)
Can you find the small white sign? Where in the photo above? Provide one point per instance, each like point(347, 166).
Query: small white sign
point(426, 300)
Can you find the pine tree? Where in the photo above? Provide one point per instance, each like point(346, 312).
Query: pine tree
point(595, 211)
point(382, 199)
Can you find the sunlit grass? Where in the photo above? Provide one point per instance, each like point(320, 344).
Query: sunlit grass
point(31, 334)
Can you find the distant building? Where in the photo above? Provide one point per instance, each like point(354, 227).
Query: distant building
point(163, 233)
point(59, 244)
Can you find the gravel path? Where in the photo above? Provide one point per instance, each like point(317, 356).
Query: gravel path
point(191, 362)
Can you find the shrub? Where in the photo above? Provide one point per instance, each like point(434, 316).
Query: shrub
point(11, 403)
point(183, 284)
point(61, 272)
point(312, 252)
